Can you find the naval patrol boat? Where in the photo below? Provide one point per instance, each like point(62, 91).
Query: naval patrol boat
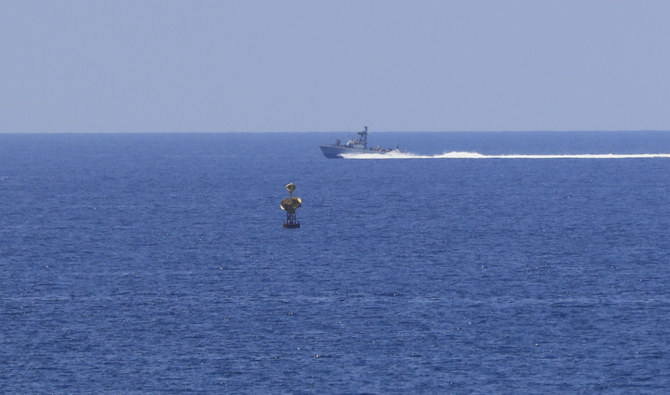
point(357, 145)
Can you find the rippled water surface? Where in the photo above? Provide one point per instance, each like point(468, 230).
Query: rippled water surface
point(535, 263)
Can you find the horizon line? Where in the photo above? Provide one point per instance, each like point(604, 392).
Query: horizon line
point(352, 130)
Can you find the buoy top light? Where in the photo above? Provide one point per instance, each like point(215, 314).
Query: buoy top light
point(290, 187)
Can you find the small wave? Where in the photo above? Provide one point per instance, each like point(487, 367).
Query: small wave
point(477, 155)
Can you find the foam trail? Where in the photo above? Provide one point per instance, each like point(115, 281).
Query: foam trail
point(477, 155)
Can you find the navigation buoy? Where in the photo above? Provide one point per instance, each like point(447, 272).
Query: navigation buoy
point(289, 205)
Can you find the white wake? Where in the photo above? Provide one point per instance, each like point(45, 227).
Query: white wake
point(477, 155)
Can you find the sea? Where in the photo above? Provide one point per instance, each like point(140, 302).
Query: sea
point(477, 263)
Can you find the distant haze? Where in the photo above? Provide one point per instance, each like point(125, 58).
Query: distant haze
point(218, 66)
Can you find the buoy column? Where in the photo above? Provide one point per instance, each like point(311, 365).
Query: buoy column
point(290, 205)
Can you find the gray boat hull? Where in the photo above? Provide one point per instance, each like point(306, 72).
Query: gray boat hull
point(334, 151)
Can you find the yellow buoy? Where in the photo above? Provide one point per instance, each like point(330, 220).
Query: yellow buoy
point(289, 205)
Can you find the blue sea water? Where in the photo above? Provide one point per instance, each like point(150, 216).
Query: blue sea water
point(154, 263)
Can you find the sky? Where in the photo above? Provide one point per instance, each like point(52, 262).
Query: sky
point(79, 66)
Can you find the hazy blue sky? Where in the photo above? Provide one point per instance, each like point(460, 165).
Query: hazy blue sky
point(286, 65)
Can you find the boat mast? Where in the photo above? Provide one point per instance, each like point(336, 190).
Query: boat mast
point(364, 135)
